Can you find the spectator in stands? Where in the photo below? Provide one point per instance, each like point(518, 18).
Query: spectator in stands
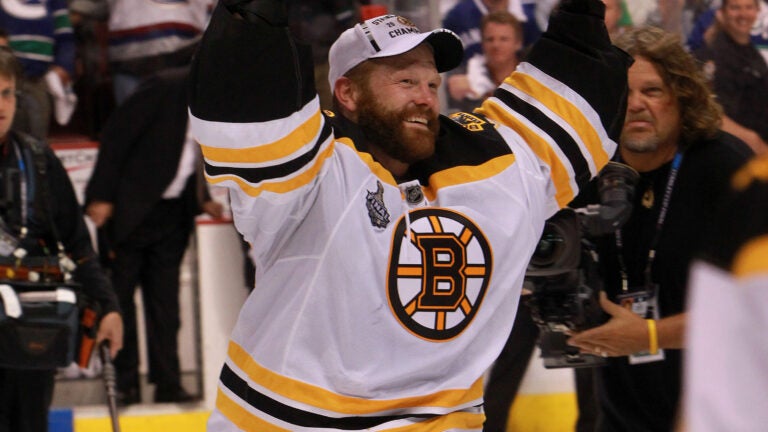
point(502, 40)
point(739, 73)
point(466, 16)
point(41, 37)
point(146, 37)
point(706, 27)
point(675, 16)
point(614, 11)
point(320, 22)
point(92, 80)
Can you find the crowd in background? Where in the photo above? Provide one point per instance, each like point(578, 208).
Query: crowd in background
point(104, 48)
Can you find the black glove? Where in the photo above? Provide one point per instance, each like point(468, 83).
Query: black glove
point(273, 12)
point(595, 8)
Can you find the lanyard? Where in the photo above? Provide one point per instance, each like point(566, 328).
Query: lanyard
point(23, 192)
point(657, 235)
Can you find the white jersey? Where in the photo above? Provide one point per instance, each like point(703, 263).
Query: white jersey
point(727, 350)
point(378, 305)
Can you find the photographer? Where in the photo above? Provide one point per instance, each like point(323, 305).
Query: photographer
point(671, 137)
point(40, 221)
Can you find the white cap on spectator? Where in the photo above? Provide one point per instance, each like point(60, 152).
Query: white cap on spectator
point(390, 35)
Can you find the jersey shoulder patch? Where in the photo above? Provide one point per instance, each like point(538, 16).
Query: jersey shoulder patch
point(471, 122)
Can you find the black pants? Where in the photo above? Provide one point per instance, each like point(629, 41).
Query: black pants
point(25, 396)
point(151, 257)
point(509, 369)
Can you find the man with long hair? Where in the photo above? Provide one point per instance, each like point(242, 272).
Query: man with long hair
point(671, 137)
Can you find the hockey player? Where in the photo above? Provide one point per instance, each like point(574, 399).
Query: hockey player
point(390, 242)
point(725, 377)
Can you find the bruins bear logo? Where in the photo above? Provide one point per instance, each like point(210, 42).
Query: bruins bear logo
point(438, 273)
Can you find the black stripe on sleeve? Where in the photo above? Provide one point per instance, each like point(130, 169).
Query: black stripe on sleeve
point(557, 133)
point(576, 50)
point(256, 175)
point(298, 417)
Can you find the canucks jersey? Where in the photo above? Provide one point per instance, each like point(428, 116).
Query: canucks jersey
point(40, 34)
point(145, 28)
point(379, 305)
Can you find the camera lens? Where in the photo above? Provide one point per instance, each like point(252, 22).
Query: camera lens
point(558, 250)
point(547, 250)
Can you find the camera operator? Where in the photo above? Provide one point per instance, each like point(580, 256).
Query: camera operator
point(40, 221)
point(671, 137)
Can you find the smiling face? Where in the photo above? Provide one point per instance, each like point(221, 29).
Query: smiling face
point(652, 124)
point(737, 18)
point(398, 106)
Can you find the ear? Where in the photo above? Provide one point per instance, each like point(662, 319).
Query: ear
point(346, 94)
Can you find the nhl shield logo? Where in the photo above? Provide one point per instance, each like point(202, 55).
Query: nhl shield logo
point(378, 213)
point(438, 273)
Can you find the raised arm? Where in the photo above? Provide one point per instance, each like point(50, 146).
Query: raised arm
point(248, 68)
point(568, 99)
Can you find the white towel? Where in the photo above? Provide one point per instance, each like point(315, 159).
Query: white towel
point(64, 98)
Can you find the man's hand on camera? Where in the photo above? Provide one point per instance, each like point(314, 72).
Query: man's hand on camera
point(272, 12)
point(624, 334)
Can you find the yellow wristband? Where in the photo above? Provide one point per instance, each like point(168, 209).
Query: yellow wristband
point(653, 337)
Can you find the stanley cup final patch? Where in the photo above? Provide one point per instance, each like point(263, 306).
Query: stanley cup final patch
point(377, 211)
point(438, 273)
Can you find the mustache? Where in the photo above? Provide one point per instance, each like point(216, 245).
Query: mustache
point(638, 117)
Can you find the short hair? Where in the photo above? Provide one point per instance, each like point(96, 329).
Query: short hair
point(725, 3)
point(10, 67)
point(502, 17)
point(700, 114)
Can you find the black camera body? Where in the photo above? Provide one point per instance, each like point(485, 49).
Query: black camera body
point(563, 274)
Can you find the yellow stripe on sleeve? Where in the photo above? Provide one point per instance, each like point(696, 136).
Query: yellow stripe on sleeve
point(752, 258)
point(560, 175)
point(315, 396)
point(276, 150)
point(754, 170)
point(279, 187)
point(564, 108)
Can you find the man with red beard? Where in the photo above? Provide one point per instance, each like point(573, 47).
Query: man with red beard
point(671, 137)
point(390, 242)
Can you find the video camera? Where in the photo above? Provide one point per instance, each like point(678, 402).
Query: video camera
point(563, 272)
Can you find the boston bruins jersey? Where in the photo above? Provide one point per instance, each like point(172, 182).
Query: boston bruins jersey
point(725, 375)
point(379, 305)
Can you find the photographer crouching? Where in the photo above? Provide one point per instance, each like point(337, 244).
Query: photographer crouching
point(47, 270)
point(671, 137)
